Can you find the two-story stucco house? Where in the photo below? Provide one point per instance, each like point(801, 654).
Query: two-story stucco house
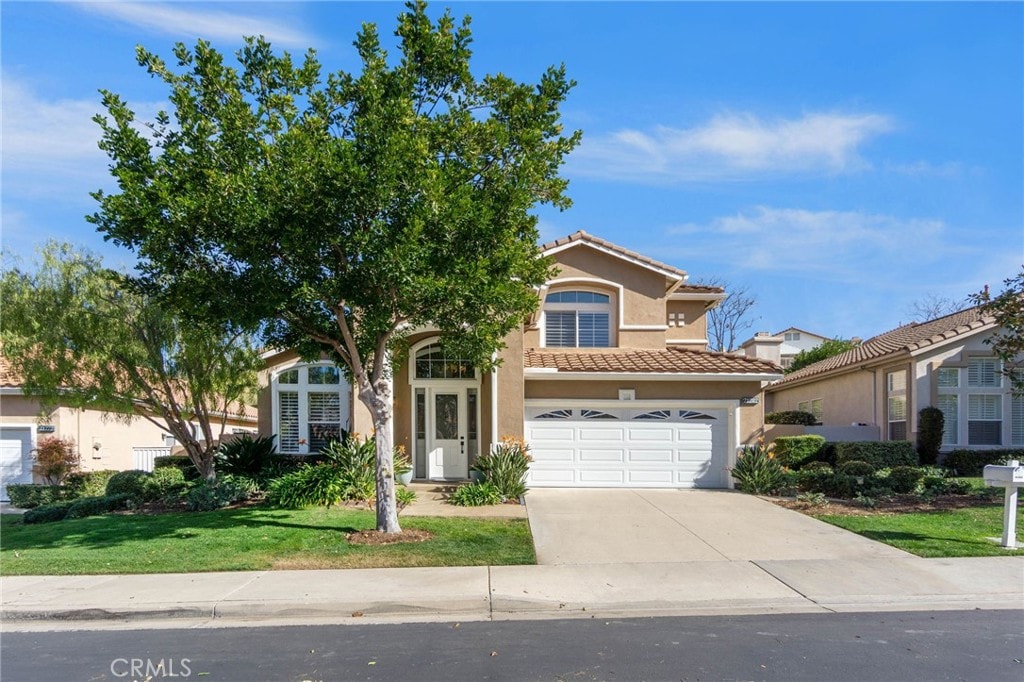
point(609, 382)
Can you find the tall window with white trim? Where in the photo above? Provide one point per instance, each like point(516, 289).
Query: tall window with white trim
point(577, 319)
point(984, 402)
point(896, 387)
point(311, 408)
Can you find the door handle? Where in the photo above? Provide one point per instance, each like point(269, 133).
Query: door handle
point(462, 445)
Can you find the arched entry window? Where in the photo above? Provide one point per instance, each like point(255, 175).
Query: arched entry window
point(311, 407)
point(433, 363)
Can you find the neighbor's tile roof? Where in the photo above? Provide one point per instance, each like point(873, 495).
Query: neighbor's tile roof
point(581, 236)
point(9, 378)
point(905, 339)
point(642, 361)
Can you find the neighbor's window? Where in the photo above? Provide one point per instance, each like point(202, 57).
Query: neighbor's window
point(984, 373)
point(577, 319)
point(792, 336)
point(896, 385)
point(311, 405)
point(984, 419)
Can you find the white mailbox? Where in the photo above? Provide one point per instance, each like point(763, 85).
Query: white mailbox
point(1003, 476)
point(1010, 477)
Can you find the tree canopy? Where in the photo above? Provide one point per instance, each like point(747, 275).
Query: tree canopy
point(79, 336)
point(1008, 343)
point(338, 213)
point(825, 349)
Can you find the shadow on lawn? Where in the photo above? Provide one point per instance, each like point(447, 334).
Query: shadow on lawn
point(99, 532)
point(922, 542)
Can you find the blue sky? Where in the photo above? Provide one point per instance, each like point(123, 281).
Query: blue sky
point(842, 161)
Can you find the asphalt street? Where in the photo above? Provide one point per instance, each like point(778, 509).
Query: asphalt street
point(943, 645)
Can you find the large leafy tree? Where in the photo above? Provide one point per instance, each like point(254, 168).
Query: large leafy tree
point(337, 214)
point(80, 336)
point(825, 349)
point(1008, 310)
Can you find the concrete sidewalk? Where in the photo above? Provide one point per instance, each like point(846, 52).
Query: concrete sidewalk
point(513, 592)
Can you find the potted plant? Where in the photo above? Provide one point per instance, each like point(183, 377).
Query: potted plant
point(403, 467)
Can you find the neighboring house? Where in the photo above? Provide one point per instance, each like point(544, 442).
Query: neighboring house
point(888, 379)
point(609, 383)
point(788, 342)
point(102, 441)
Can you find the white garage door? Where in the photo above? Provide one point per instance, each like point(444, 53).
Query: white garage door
point(656, 446)
point(15, 457)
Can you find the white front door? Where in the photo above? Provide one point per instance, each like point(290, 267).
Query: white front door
point(446, 433)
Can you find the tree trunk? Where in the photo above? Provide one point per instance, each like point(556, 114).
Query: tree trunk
point(378, 400)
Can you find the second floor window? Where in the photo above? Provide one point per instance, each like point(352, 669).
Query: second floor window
point(577, 319)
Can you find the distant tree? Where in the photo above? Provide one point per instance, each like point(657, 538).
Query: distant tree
point(932, 306)
point(80, 337)
point(826, 349)
point(338, 215)
point(1008, 343)
point(731, 317)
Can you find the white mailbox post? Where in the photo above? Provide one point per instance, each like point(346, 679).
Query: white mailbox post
point(1010, 477)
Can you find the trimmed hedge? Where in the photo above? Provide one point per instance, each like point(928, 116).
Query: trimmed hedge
point(94, 506)
point(796, 452)
point(879, 454)
point(178, 462)
point(48, 513)
point(904, 479)
point(790, 417)
point(971, 462)
point(133, 483)
point(31, 495)
point(87, 484)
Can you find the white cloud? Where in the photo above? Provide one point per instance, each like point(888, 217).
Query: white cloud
point(50, 146)
point(732, 146)
point(845, 246)
point(184, 22)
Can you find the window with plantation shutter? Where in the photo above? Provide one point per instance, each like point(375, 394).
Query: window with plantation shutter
point(288, 421)
point(983, 373)
point(949, 405)
point(577, 319)
point(311, 407)
point(984, 419)
point(1017, 420)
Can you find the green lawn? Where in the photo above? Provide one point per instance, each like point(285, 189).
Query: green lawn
point(249, 539)
point(948, 533)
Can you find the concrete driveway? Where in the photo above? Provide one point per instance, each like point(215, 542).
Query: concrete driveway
point(592, 526)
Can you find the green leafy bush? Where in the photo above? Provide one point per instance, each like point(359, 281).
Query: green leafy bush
point(475, 495)
point(94, 506)
point(246, 456)
point(165, 482)
point(856, 468)
point(818, 466)
point(506, 467)
point(404, 497)
point(227, 489)
point(814, 499)
point(87, 483)
point(756, 471)
point(826, 482)
point(308, 486)
point(134, 483)
point(356, 462)
point(48, 513)
point(790, 417)
point(965, 462)
point(798, 451)
point(878, 454)
point(930, 425)
point(31, 495)
point(178, 462)
point(903, 479)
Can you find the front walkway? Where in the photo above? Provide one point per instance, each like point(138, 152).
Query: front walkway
point(604, 526)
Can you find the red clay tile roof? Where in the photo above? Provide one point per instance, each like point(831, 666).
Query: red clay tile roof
point(905, 339)
point(641, 361)
point(581, 236)
point(9, 378)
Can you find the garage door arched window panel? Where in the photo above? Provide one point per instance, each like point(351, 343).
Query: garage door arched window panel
point(577, 319)
point(596, 414)
point(691, 414)
point(555, 414)
point(654, 415)
point(311, 405)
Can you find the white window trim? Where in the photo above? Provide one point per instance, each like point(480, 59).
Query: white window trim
point(303, 389)
point(581, 284)
point(963, 393)
point(596, 284)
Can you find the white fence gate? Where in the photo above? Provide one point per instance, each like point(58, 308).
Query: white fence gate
point(143, 458)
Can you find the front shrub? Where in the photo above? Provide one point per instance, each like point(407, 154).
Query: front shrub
point(826, 482)
point(134, 483)
point(903, 479)
point(818, 467)
point(87, 483)
point(308, 486)
point(30, 495)
point(856, 468)
point(164, 483)
point(965, 462)
point(506, 467)
point(55, 459)
point(94, 506)
point(930, 425)
point(178, 462)
point(48, 513)
point(797, 451)
point(246, 456)
point(227, 489)
point(475, 495)
point(757, 471)
point(879, 454)
point(798, 417)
